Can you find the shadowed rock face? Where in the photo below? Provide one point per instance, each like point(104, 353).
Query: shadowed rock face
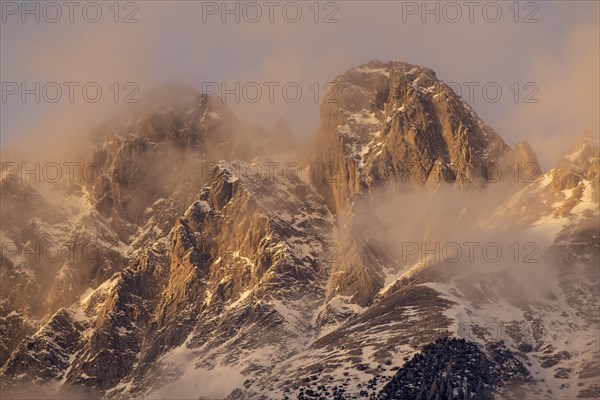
point(202, 263)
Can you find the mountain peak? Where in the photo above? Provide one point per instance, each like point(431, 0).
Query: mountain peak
point(585, 149)
point(171, 92)
point(376, 66)
point(582, 163)
point(397, 122)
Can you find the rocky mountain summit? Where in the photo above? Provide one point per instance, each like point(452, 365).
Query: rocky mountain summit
point(397, 123)
point(210, 272)
point(395, 126)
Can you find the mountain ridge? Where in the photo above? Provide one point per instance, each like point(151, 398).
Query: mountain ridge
point(282, 279)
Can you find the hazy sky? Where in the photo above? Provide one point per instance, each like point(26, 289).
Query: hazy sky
point(533, 51)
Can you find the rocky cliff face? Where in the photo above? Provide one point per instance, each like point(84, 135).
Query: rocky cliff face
point(213, 278)
point(397, 123)
point(151, 150)
point(242, 269)
point(61, 239)
point(395, 126)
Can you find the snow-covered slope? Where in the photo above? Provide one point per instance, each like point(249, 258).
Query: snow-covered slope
point(541, 301)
